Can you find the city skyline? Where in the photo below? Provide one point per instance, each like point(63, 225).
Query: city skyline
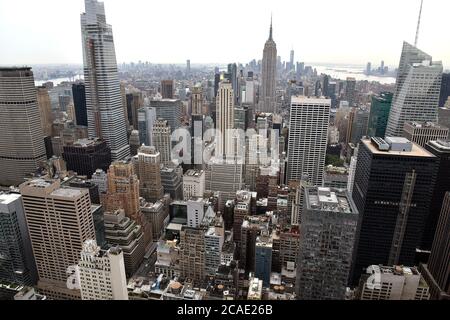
point(338, 48)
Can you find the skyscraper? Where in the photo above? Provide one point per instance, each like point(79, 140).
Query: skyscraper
point(79, 101)
point(147, 165)
point(445, 90)
point(22, 147)
point(106, 118)
point(350, 91)
point(167, 89)
point(197, 100)
point(16, 256)
point(267, 101)
point(437, 272)
point(422, 133)
point(327, 237)
point(45, 110)
point(441, 149)
point(379, 114)
point(85, 156)
point(393, 186)
point(416, 96)
point(59, 222)
point(308, 134)
point(225, 118)
point(161, 140)
point(102, 273)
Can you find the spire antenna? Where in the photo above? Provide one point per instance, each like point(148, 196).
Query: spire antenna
point(270, 34)
point(418, 24)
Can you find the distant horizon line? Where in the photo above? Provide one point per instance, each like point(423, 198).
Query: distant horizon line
point(217, 64)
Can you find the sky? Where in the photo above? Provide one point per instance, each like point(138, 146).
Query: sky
point(218, 31)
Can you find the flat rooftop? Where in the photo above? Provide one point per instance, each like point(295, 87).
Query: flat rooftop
point(67, 192)
point(417, 151)
point(327, 199)
point(7, 198)
point(308, 100)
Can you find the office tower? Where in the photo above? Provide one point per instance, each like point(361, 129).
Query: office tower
point(197, 100)
point(167, 89)
point(146, 119)
point(192, 257)
point(359, 125)
point(134, 103)
point(369, 69)
point(327, 237)
point(214, 240)
point(226, 178)
point(51, 211)
point(444, 115)
point(198, 128)
point(241, 117)
point(85, 156)
point(351, 173)
point(147, 165)
point(291, 61)
point(102, 273)
point(100, 178)
point(79, 101)
point(188, 68)
point(193, 184)
point(45, 110)
point(289, 246)
point(252, 227)
point(16, 256)
point(350, 91)
point(308, 133)
point(135, 143)
point(22, 148)
point(242, 209)
point(172, 181)
point(379, 114)
point(106, 119)
point(441, 149)
point(128, 235)
point(232, 71)
point(437, 271)
point(263, 258)
point(123, 193)
point(393, 186)
point(156, 214)
point(217, 79)
point(170, 110)
point(335, 177)
point(168, 257)
point(392, 283)
point(250, 92)
point(267, 98)
point(225, 119)
point(123, 187)
point(161, 140)
point(416, 96)
point(445, 89)
point(423, 132)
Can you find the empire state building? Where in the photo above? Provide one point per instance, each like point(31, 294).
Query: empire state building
point(267, 100)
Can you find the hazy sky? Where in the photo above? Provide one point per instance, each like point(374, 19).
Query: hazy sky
point(219, 31)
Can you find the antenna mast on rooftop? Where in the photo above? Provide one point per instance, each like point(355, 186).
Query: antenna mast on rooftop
point(418, 23)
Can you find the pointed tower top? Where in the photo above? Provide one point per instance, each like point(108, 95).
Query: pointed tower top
point(270, 34)
point(418, 24)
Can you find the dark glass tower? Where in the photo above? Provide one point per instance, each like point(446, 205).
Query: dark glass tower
point(445, 89)
point(87, 155)
point(79, 101)
point(441, 150)
point(379, 114)
point(393, 187)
